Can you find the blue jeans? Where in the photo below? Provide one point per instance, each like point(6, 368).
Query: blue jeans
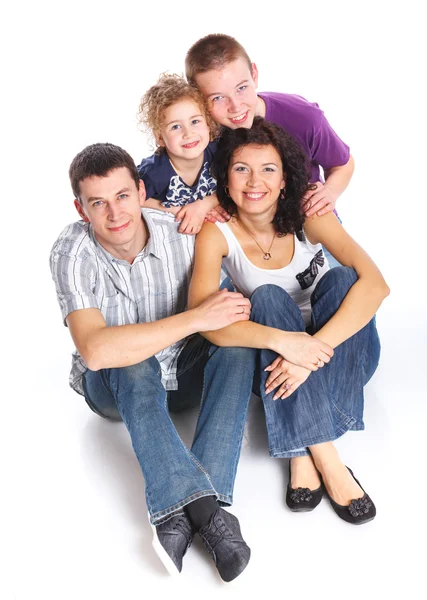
point(174, 475)
point(330, 401)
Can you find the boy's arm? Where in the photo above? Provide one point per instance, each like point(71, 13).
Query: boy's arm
point(323, 199)
point(103, 347)
point(157, 204)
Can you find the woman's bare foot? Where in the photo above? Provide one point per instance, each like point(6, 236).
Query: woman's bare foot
point(337, 479)
point(304, 474)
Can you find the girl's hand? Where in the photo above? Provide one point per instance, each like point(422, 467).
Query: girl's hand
point(192, 217)
point(286, 375)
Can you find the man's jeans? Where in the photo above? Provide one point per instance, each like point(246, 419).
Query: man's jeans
point(174, 475)
point(330, 401)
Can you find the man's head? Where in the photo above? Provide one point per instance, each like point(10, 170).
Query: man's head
point(221, 68)
point(109, 195)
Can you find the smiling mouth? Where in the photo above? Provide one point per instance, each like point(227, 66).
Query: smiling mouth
point(120, 228)
point(254, 196)
point(191, 145)
point(240, 118)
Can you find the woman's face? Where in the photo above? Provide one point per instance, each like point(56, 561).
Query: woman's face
point(255, 178)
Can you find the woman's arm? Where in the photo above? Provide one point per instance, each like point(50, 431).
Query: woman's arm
point(365, 296)
point(298, 348)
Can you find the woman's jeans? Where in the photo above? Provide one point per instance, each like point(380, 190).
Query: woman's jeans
point(330, 401)
point(174, 475)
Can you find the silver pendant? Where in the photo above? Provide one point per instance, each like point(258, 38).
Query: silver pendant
point(267, 256)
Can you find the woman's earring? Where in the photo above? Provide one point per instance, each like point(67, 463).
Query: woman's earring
point(226, 190)
point(282, 194)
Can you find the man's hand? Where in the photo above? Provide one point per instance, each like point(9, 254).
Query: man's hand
point(221, 309)
point(303, 350)
point(319, 201)
point(286, 375)
point(217, 214)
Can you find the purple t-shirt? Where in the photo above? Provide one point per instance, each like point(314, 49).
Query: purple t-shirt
point(307, 123)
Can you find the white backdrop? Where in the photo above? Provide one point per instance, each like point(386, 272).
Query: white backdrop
point(72, 75)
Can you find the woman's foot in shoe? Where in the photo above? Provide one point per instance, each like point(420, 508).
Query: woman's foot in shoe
point(304, 491)
point(347, 497)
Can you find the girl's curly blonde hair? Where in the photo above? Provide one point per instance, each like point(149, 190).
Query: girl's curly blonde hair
point(169, 89)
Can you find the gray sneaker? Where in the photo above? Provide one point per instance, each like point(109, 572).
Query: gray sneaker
point(223, 539)
point(171, 541)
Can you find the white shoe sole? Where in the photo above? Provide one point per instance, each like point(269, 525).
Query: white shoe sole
point(162, 554)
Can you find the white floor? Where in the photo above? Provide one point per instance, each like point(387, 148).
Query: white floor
point(73, 520)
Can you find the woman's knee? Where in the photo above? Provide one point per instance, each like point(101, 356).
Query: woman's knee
point(342, 278)
point(272, 305)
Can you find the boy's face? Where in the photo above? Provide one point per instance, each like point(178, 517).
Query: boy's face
point(112, 205)
point(184, 132)
point(231, 93)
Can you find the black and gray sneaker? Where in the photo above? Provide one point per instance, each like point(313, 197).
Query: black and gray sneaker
point(223, 539)
point(171, 541)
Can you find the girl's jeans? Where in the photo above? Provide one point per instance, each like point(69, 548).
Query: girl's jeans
point(330, 401)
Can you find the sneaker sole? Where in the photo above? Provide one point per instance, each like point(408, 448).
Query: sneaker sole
point(162, 554)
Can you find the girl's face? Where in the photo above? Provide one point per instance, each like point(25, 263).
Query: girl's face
point(184, 132)
point(255, 178)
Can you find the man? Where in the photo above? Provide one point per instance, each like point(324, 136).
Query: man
point(121, 277)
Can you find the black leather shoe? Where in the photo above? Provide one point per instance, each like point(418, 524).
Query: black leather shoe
point(359, 511)
point(223, 539)
point(302, 499)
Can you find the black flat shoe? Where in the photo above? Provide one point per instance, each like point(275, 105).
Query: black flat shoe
point(302, 499)
point(359, 511)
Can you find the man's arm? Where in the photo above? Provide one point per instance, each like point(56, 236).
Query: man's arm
point(103, 347)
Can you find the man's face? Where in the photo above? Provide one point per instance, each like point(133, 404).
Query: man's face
point(231, 93)
point(112, 205)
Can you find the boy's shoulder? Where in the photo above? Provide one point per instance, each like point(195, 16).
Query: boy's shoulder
point(289, 107)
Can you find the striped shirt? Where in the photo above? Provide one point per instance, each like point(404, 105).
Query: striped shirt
point(155, 286)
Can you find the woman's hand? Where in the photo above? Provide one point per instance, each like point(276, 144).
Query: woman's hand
point(303, 350)
point(286, 375)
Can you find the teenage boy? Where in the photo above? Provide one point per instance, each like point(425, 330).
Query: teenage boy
point(122, 277)
point(221, 68)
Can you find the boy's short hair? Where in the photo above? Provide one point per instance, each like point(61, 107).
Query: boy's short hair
point(98, 160)
point(211, 52)
point(170, 89)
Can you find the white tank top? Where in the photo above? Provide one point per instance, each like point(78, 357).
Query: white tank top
point(298, 278)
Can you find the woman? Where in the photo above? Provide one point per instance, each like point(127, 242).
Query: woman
point(315, 327)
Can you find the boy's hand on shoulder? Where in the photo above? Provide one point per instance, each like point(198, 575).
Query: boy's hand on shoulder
point(217, 214)
point(319, 201)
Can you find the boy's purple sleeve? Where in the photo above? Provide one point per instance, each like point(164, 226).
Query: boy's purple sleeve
point(328, 150)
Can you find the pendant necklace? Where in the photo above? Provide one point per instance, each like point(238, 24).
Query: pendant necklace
point(266, 254)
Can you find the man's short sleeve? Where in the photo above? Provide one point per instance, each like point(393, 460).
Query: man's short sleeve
point(74, 278)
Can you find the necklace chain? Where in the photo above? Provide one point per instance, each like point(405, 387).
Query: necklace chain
point(267, 255)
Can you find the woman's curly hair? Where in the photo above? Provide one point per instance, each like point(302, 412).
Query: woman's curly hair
point(289, 217)
point(170, 89)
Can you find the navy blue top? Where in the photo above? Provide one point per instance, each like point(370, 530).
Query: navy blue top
point(163, 183)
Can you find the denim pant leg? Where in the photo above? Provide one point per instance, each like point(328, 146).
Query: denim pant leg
point(173, 476)
point(286, 420)
point(355, 360)
point(227, 388)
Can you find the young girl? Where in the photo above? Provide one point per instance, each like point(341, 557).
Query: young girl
point(177, 176)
